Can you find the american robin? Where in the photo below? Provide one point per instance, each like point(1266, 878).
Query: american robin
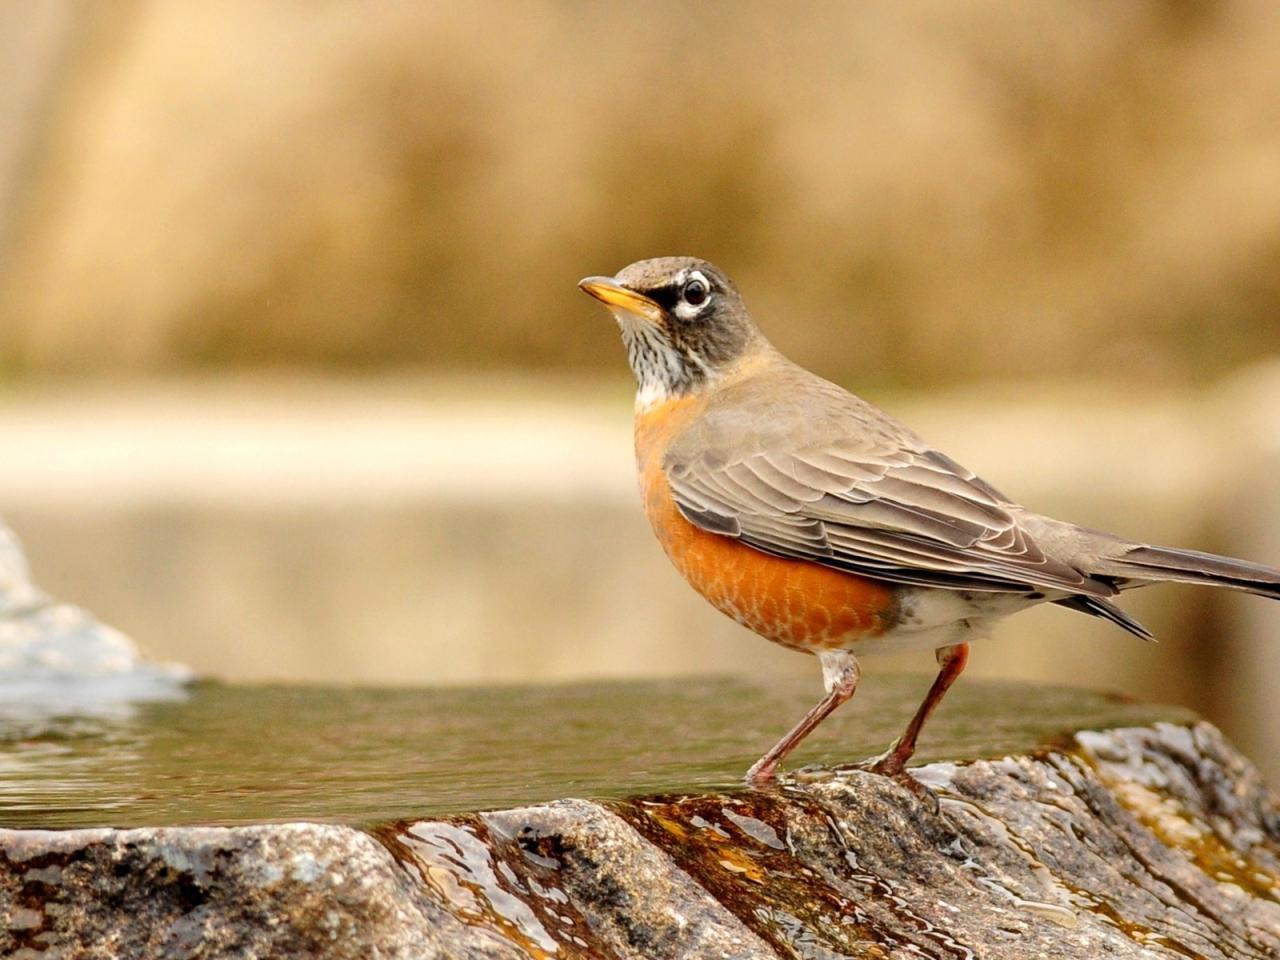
point(823, 524)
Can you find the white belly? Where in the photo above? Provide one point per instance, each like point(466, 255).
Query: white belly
point(930, 618)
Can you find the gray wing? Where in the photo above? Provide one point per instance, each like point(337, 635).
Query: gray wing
point(868, 498)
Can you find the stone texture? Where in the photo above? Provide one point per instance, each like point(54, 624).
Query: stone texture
point(1146, 842)
point(287, 890)
point(572, 879)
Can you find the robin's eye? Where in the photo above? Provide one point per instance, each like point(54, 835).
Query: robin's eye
point(695, 292)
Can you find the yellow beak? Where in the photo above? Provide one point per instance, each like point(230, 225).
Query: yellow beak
point(614, 295)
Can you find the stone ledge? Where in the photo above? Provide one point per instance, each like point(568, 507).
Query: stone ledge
point(1137, 842)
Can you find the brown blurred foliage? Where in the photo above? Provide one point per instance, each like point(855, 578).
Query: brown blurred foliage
point(912, 191)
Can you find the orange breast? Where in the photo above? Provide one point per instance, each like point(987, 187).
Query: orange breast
point(792, 602)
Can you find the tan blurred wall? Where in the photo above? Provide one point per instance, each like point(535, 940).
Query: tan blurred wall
point(35, 42)
point(944, 190)
point(1081, 198)
point(485, 531)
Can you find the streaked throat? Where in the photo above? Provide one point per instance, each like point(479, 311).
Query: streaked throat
point(662, 372)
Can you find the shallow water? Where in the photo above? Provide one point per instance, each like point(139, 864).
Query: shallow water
point(233, 754)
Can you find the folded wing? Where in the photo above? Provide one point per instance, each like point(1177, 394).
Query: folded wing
point(889, 508)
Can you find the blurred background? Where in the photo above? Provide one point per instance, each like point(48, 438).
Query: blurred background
point(295, 382)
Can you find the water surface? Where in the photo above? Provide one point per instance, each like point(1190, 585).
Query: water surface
point(236, 754)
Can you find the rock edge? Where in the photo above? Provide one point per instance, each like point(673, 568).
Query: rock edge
point(1148, 842)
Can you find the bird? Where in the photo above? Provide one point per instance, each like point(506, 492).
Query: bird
point(823, 524)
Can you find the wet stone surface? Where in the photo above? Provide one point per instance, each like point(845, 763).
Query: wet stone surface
point(1150, 841)
point(291, 890)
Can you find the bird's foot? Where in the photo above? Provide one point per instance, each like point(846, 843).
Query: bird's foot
point(814, 773)
point(763, 777)
point(762, 774)
point(892, 763)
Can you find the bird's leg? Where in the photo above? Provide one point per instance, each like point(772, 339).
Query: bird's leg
point(952, 661)
point(840, 673)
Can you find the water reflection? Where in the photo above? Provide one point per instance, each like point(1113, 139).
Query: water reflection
point(70, 690)
point(232, 754)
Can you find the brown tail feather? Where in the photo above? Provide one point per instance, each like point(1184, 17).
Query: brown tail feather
point(1147, 563)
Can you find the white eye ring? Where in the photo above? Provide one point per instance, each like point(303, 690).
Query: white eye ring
point(696, 290)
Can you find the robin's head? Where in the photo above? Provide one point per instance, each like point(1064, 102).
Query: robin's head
point(682, 321)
